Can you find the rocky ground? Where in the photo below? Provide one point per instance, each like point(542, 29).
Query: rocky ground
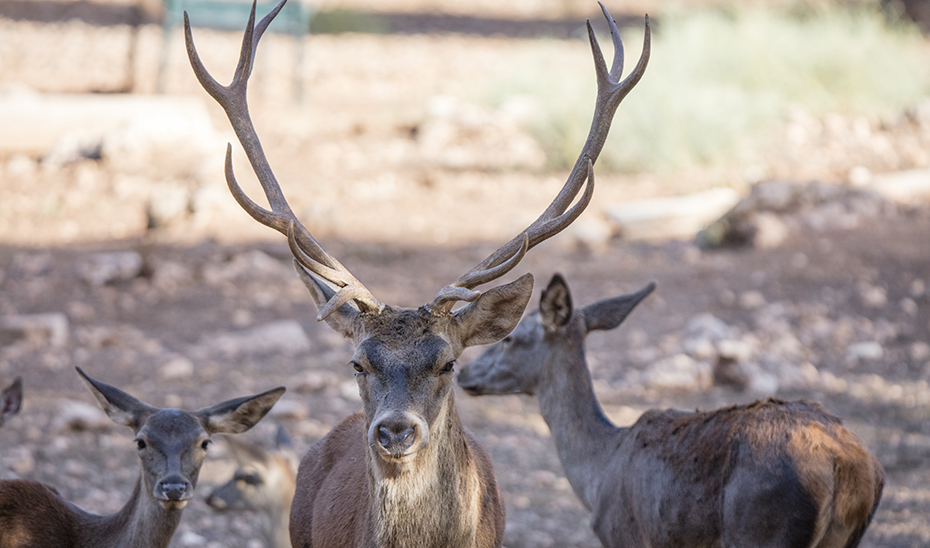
point(124, 255)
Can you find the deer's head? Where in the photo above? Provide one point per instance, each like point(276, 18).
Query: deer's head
point(548, 337)
point(404, 357)
point(11, 400)
point(172, 443)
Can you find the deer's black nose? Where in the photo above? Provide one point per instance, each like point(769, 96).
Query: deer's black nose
point(397, 437)
point(174, 490)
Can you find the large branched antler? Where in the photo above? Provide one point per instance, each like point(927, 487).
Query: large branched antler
point(307, 251)
point(610, 91)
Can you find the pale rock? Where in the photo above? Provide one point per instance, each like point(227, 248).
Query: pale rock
point(52, 329)
point(104, 268)
point(190, 538)
point(679, 372)
point(750, 300)
point(708, 326)
point(349, 391)
point(770, 231)
point(873, 296)
point(283, 336)
point(734, 349)
point(76, 415)
point(865, 351)
point(289, 409)
point(177, 367)
point(919, 351)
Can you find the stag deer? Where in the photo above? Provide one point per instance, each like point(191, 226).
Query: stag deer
point(172, 445)
point(405, 472)
point(264, 483)
point(770, 474)
point(11, 400)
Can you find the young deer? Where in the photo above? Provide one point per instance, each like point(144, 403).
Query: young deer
point(405, 472)
point(770, 474)
point(11, 400)
point(264, 483)
point(172, 445)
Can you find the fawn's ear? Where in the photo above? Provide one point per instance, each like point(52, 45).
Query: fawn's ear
point(244, 452)
point(11, 399)
point(341, 319)
point(609, 313)
point(118, 405)
point(238, 415)
point(555, 304)
point(494, 314)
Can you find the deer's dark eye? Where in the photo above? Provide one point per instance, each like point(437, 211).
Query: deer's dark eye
point(140, 443)
point(206, 443)
point(358, 367)
point(507, 339)
point(250, 479)
point(447, 368)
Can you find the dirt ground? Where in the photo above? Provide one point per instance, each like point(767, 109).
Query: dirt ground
point(206, 306)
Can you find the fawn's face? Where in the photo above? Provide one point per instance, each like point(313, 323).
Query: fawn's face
point(172, 446)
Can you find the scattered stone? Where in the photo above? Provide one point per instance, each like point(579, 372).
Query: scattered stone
point(865, 351)
point(51, 329)
point(751, 300)
point(105, 268)
point(680, 372)
point(177, 367)
point(312, 382)
point(76, 415)
point(919, 351)
point(167, 206)
point(873, 296)
point(673, 217)
point(284, 336)
point(289, 409)
point(907, 187)
point(190, 538)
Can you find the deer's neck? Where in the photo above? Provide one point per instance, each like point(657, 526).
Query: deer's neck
point(433, 500)
point(584, 437)
point(142, 523)
point(275, 527)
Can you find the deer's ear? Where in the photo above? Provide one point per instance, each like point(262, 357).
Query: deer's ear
point(494, 314)
point(342, 319)
point(609, 313)
point(238, 415)
point(555, 303)
point(244, 452)
point(11, 400)
point(118, 405)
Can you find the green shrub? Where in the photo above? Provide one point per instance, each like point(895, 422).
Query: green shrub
point(720, 83)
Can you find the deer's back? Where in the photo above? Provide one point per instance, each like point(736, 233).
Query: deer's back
point(331, 503)
point(771, 473)
point(32, 515)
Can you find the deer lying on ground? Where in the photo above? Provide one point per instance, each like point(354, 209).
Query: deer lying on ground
point(172, 445)
point(405, 472)
point(264, 483)
point(770, 474)
point(11, 400)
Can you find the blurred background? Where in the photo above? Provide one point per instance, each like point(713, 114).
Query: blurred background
point(771, 172)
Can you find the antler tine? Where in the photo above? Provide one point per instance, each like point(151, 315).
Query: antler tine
point(610, 92)
point(233, 99)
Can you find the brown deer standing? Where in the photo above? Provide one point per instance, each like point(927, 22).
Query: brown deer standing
point(172, 445)
point(770, 474)
point(264, 483)
point(405, 472)
point(11, 400)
